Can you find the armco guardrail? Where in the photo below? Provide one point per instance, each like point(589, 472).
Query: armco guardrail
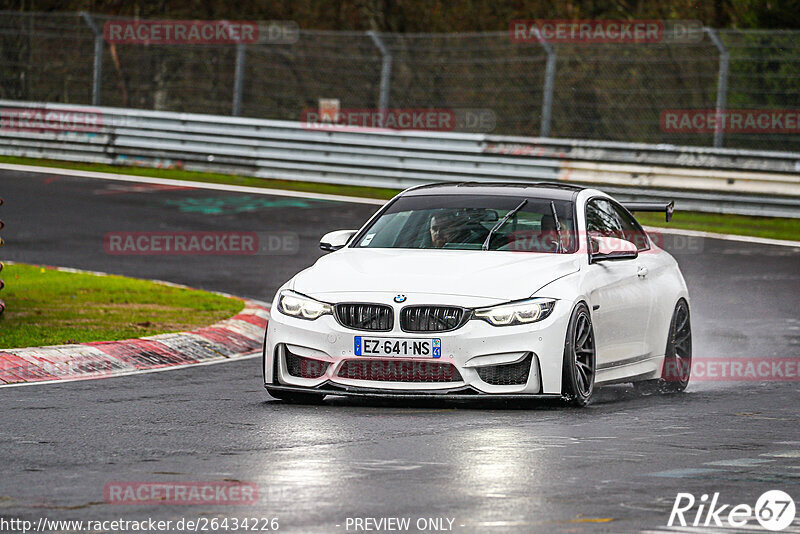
point(671, 155)
point(714, 180)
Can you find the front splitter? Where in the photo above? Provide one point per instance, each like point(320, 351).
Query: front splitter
point(460, 393)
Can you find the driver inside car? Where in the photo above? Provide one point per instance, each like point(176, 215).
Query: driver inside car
point(455, 227)
point(442, 229)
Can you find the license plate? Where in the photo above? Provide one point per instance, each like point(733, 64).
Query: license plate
point(381, 346)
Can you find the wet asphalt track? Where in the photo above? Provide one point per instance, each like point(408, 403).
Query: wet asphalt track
point(615, 466)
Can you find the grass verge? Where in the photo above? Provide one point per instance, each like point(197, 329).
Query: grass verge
point(49, 307)
point(769, 227)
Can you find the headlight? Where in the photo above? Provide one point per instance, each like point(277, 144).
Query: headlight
point(516, 313)
point(296, 305)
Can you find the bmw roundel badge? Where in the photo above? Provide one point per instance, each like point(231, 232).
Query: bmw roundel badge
point(400, 298)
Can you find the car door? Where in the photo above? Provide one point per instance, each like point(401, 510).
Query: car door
point(618, 294)
point(650, 268)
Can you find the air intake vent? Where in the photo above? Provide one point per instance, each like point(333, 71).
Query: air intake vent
point(399, 371)
point(431, 318)
point(377, 317)
point(304, 367)
point(509, 374)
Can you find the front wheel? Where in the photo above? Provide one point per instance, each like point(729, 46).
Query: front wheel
point(293, 397)
point(579, 358)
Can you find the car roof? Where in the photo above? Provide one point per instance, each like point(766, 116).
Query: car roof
point(545, 190)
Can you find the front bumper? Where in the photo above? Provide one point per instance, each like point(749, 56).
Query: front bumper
point(476, 345)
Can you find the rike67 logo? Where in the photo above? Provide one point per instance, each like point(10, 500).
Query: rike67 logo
point(774, 511)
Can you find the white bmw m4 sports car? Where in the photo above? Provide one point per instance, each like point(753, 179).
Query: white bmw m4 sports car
point(484, 289)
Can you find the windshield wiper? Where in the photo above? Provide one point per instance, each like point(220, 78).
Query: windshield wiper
point(560, 244)
point(501, 222)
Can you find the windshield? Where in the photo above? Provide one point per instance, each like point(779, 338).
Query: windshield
point(465, 222)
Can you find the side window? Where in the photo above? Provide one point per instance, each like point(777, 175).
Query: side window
point(631, 230)
point(602, 218)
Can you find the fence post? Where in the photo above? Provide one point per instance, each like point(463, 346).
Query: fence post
point(238, 79)
point(549, 82)
point(722, 85)
point(97, 72)
point(386, 71)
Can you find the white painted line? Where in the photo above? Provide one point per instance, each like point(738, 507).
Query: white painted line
point(129, 373)
point(782, 454)
point(186, 183)
point(740, 462)
point(726, 237)
point(338, 198)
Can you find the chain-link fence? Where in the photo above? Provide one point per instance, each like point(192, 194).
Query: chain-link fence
point(592, 91)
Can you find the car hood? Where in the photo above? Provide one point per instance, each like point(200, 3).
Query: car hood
point(497, 275)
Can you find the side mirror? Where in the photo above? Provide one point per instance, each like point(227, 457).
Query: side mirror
point(335, 240)
point(610, 249)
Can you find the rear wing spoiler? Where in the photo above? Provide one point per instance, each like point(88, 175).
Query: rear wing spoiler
point(666, 207)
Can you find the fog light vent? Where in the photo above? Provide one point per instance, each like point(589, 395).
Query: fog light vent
point(507, 374)
point(304, 367)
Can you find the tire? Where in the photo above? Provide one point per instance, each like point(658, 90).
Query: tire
point(577, 380)
point(677, 369)
point(678, 355)
point(293, 397)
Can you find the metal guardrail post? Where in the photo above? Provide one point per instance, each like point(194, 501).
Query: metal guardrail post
point(722, 84)
point(549, 82)
point(386, 71)
point(238, 79)
point(97, 72)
